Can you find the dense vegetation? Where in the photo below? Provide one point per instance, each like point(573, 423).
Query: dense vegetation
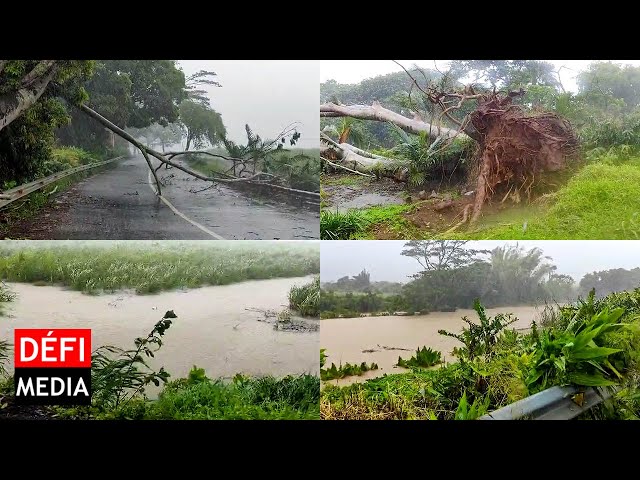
point(596, 196)
point(587, 343)
point(510, 275)
point(150, 267)
point(120, 379)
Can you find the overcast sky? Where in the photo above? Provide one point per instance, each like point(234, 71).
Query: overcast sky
point(354, 71)
point(383, 260)
point(266, 94)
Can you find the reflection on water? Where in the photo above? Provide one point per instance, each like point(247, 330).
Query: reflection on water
point(213, 330)
point(346, 339)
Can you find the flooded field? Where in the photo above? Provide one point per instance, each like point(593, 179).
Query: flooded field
point(383, 339)
point(220, 329)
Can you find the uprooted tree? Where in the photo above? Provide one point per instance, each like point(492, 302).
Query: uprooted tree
point(514, 147)
point(26, 85)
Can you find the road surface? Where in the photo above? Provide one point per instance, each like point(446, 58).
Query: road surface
point(119, 203)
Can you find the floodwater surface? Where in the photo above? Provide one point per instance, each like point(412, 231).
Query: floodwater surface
point(383, 339)
point(218, 328)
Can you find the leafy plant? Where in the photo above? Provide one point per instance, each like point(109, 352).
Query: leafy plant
point(346, 370)
point(424, 357)
point(323, 356)
point(574, 356)
point(473, 411)
point(479, 339)
point(117, 379)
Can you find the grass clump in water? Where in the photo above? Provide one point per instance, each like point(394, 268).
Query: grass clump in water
point(306, 299)
point(346, 370)
point(424, 358)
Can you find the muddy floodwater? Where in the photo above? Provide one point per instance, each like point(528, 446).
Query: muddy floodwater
point(218, 328)
point(383, 339)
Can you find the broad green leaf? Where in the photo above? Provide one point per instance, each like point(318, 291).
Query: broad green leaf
point(595, 380)
point(594, 352)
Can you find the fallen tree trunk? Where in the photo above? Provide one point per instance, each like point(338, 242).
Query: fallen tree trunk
point(146, 151)
point(378, 113)
point(364, 162)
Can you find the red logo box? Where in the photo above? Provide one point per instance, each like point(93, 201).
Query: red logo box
point(52, 348)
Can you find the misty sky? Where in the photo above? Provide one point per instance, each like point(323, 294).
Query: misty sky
point(354, 71)
point(266, 94)
point(383, 260)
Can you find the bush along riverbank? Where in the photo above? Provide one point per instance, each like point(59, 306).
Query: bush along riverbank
point(590, 343)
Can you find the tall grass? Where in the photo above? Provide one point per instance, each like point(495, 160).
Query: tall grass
point(150, 267)
point(306, 299)
point(341, 226)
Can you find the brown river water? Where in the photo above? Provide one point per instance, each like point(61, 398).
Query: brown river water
point(345, 339)
point(213, 330)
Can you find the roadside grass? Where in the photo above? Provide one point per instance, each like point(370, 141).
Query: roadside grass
point(306, 298)
point(30, 205)
point(592, 342)
point(151, 267)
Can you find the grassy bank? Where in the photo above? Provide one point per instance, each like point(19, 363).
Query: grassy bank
point(602, 201)
point(589, 343)
point(150, 267)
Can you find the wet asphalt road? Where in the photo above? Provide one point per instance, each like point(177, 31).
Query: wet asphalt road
point(120, 204)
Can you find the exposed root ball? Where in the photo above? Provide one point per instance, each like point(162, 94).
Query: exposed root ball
point(516, 147)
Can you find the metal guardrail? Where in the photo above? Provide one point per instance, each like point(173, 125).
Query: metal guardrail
point(9, 196)
point(555, 403)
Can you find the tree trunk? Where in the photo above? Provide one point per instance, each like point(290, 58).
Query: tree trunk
point(361, 161)
point(378, 113)
point(188, 141)
point(13, 104)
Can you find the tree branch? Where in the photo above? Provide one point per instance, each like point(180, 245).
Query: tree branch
point(13, 104)
point(378, 113)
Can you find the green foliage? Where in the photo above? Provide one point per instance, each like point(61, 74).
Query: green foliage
point(152, 267)
point(424, 357)
point(574, 356)
point(202, 123)
point(323, 356)
point(118, 375)
point(599, 202)
point(592, 342)
point(480, 339)
point(477, 408)
point(5, 356)
point(346, 370)
point(341, 226)
point(299, 169)
point(265, 398)
point(306, 298)
point(428, 160)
